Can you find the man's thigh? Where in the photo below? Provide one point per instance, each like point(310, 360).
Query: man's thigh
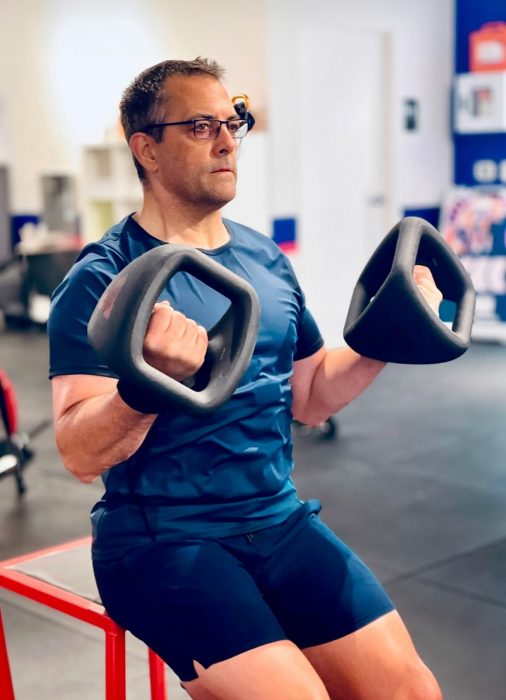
point(318, 588)
point(377, 662)
point(277, 671)
point(192, 603)
point(319, 591)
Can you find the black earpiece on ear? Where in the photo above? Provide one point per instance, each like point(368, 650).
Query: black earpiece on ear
point(241, 105)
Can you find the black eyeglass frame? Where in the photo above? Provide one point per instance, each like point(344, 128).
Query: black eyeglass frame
point(194, 122)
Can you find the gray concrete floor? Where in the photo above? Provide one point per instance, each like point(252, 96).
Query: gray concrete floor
point(415, 483)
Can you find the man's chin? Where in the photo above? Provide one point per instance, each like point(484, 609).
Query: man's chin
point(220, 199)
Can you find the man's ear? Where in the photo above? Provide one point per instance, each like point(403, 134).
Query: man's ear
point(143, 148)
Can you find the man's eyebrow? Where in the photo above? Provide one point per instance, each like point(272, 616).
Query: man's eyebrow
point(200, 115)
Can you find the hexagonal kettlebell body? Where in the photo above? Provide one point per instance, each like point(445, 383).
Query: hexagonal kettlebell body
point(119, 322)
point(388, 318)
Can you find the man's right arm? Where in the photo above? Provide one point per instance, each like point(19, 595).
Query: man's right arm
point(94, 427)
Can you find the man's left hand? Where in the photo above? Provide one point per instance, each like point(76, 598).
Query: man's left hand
point(425, 282)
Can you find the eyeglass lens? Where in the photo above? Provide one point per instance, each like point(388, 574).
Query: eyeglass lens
point(210, 128)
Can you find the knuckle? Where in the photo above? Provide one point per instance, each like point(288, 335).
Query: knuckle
point(177, 317)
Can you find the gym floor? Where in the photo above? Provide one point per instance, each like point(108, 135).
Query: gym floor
point(415, 483)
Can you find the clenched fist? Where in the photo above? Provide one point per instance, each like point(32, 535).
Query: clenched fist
point(425, 282)
point(174, 344)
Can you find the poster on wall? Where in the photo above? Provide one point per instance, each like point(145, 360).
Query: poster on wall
point(473, 222)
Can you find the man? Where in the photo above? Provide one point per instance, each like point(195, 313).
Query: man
point(202, 547)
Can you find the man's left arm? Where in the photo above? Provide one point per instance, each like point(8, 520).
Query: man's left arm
point(329, 380)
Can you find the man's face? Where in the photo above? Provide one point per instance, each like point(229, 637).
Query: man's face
point(197, 171)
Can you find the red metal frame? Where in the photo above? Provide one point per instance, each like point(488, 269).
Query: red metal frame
point(6, 688)
point(82, 609)
point(8, 404)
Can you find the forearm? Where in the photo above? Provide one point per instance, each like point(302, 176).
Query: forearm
point(340, 377)
point(98, 433)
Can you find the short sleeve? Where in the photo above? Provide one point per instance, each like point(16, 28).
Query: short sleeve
point(309, 338)
point(72, 305)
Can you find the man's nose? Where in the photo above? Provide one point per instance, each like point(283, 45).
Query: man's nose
point(224, 141)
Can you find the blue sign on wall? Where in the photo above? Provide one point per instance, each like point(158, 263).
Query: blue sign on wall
point(470, 16)
point(474, 223)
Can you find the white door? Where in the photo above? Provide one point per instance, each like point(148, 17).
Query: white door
point(343, 164)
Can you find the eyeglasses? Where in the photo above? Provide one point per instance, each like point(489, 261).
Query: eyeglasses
point(207, 129)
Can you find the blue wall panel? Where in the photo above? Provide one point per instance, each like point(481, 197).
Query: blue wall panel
point(469, 16)
point(468, 148)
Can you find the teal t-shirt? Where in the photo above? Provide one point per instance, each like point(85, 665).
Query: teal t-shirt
point(208, 476)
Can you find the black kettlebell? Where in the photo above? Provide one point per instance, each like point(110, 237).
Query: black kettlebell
point(119, 322)
point(388, 318)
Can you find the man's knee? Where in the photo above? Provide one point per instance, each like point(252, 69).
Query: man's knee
point(420, 684)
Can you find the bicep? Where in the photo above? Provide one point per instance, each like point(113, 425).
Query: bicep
point(71, 389)
point(302, 379)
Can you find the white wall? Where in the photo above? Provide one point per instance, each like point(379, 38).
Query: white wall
point(64, 64)
point(420, 66)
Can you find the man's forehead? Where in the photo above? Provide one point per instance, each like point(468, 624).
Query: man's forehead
point(196, 93)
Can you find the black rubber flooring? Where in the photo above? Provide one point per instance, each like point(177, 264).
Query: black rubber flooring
point(415, 482)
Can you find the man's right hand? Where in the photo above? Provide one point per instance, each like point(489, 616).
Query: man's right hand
point(174, 344)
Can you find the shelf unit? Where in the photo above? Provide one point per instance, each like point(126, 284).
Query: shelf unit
point(111, 188)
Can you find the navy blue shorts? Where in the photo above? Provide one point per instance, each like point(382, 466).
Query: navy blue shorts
point(209, 600)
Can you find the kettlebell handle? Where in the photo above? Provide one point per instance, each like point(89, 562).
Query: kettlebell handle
point(118, 325)
point(389, 319)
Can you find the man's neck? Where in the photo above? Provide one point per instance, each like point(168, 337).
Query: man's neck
point(174, 224)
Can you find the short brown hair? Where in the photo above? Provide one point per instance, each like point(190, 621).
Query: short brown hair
point(143, 99)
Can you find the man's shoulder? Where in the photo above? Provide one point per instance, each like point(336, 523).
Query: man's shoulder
point(112, 248)
point(250, 237)
point(97, 263)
